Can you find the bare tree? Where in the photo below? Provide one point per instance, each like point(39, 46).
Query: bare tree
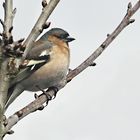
point(12, 56)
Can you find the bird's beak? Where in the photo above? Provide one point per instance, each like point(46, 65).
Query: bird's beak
point(69, 39)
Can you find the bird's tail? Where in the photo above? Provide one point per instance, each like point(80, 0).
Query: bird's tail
point(13, 93)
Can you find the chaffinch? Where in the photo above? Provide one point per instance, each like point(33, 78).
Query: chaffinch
point(48, 64)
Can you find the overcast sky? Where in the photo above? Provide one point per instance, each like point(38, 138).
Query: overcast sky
point(103, 102)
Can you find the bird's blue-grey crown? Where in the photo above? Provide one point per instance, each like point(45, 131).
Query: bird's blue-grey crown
point(59, 33)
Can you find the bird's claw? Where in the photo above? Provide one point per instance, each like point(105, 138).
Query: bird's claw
point(42, 106)
point(55, 89)
point(36, 96)
point(49, 97)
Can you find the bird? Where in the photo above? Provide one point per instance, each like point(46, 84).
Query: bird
point(47, 65)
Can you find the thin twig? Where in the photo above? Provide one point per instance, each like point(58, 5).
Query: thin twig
point(9, 14)
point(38, 27)
point(110, 37)
point(12, 120)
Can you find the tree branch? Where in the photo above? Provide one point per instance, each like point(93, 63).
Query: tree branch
point(12, 120)
point(32, 107)
point(4, 61)
point(4, 77)
point(110, 37)
point(39, 26)
point(9, 14)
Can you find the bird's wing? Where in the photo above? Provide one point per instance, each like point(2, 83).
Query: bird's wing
point(37, 57)
point(40, 50)
point(25, 73)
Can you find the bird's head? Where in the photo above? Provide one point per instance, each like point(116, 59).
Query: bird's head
point(59, 33)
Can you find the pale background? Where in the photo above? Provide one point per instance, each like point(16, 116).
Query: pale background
point(103, 102)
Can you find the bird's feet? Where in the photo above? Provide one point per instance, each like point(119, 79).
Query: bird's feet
point(55, 89)
point(48, 96)
point(42, 106)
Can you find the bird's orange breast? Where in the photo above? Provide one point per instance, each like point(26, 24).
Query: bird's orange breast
point(53, 71)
